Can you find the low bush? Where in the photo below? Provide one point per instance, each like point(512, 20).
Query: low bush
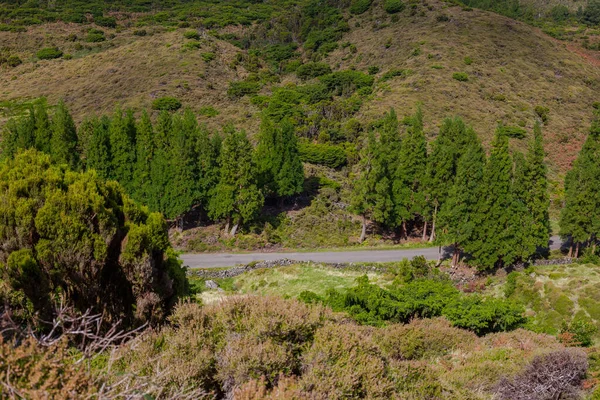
point(393, 6)
point(208, 111)
point(166, 104)
point(542, 112)
point(140, 32)
point(394, 73)
point(514, 132)
point(358, 7)
point(312, 70)
point(557, 375)
point(13, 61)
point(107, 22)
point(242, 88)
point(346, 82)
point(49, 53)
point(208, 57)
point(95, 36)
point(373, 70)
point(460, 76)
point(191, 35)
point(332, 156)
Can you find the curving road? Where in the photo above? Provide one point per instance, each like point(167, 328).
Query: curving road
point(214, 260)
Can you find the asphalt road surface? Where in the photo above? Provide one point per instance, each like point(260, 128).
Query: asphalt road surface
point(214, 260)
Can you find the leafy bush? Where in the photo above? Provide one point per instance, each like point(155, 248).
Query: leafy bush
point(242, 88)
point(560, 13)
point(358, 7)
point(557, 375)
point(322, 154)
point(468, 60)
point(208, 111)
point(460, 76)
point(140, 32)
point(191, 35)
point(394, 73)
point(208, 57)
point(581, 330)
point(13, 61)
point(514, 132)
point(591, 14)
point(346, 82)
point(542, 112)
point(312, 70)
point(393, 6)
point(108, 22)
point(84, 240)
point(373, 70)
point(166, 104)
point(483, 316)
point(95, 36)
point(49, 53)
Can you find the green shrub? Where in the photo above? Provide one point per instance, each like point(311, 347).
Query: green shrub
point(560, 13)
point(373, 70)
point(208, 111)
point(460, 76)
point(166, 104)
point(108, 22)
point(394, 73)
point(49, 53)
point(346, 82)
point(542, 112)
point(437, 66)
point(95, 36)
point(514, 132)
point(322, 154)
point(484, 315)
point(312, 70)
point(192, 45)
point(511, 284)
point(468, 60)
point(393, 6)
point(13, 61)
point(191, 35)
point(208, 57)
point(358, 7)
point(582, 329)
point(242, 88)
point(140, 32)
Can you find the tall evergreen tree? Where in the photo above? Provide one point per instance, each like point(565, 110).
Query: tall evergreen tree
point(289, 175)
point(268, 158)
point(371, 196)
point(409, 176)
point(236, 197)
point(43, 133)
point(63, 141)
point(458, 217)
point(160, 168)
point(208, 149)
point(525, 243)
point(494, 243)
point(122, 145)
point(580, 217)
point(142, 172)
point(97, 152)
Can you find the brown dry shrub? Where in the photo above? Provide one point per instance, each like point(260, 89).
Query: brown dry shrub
point(31, 371)
point(345, 362)
point(221, 346)
point(416, 379)
point(423, 338)
point(556, 375)
point(521, 339)
point(287, 389)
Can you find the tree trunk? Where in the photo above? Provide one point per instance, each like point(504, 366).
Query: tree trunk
point(404, 230)
point(577, 250)
point(180, 224)
point(455, 255)
point(439, 254)
point(432, 237)
point(363, 233)
point(424, 238)
point(234, 229)
point(227, 223)
point(570, 250)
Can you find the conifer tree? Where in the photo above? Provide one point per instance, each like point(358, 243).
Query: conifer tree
point(63, 141)
point(268, 158)
point(494, 239)
point(236, 197)
point(208, 149)
point(26, 131)
point(142, 172)
point(522, 217)
point(388, 158)
point(122, 145)
point(289, 175)
point(409, 176)
point(160, 168)
point(43, 133)
point(97, 152)
point(371, 196)
point(580, 217)
point(458, 216)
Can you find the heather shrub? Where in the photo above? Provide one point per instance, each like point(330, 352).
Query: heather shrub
point(345, 362)
point(166, 104)
point(49, 53)
point(460, 76)
point(191, 35)
point(95, 36)
point(13, 61)
point(557, 375)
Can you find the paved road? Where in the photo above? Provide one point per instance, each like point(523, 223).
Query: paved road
point(213, 260)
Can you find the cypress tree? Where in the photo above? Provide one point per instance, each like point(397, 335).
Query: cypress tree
point(289, 176)
point(371, 196)
point(160, 169)
point(43, 133)
point(26, 131)
point(388, 159)
point(97, 154)
point(63, 141)
point(208, 149)
point(494, 241)
point(522, 218)
point(268, 157)
point(122, 145)
point(458, 216)
point(142, 183)
point(236, 197)
point(580, 217)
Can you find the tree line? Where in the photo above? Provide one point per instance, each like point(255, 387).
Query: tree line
point(172, 165)
point(494, 209)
